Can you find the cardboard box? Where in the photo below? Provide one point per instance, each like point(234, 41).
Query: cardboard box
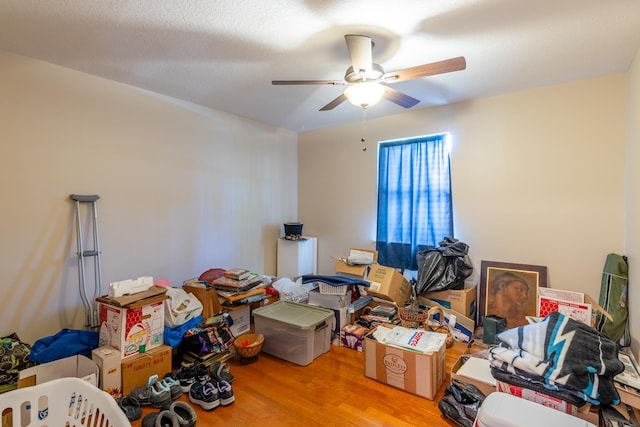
point(207, 296)
point(628, 382)
point(569, 303)
point(586, 412)
point(355, 271)
point(537, 397)
point(463, 300)
point(462, 326)
point(109, 362)
point(418, 373)
point(133, 329)
point(474, 371)
point(389, 284)
point(74, 366)
point(241, 317)
point(268, 299)
point(352, 336)
point(137, 369)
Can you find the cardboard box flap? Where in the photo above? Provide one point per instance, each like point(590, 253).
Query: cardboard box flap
point(151, 295)
point(361, 270)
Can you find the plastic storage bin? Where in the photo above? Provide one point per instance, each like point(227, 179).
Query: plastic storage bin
point(61, 402)
point(295, 332)
point(504, 410)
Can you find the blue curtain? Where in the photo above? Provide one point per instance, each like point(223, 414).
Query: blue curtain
point(414, 199)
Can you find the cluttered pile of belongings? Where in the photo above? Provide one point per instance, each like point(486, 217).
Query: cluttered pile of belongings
point(560, 357)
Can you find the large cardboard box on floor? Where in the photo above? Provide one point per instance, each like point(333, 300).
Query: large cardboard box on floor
point(133, 329)
point(461, 300)
point(137, 369)
point(389, 284)
point(356, 271)
point(73, 366)
point(417, 373)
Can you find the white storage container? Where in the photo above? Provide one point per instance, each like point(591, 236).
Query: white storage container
point(295, 332)
point(61, 402)
point(504, 410)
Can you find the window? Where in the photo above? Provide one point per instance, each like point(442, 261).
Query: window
point(414, 198)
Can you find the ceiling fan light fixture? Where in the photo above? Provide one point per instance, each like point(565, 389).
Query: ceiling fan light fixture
point(365, 94)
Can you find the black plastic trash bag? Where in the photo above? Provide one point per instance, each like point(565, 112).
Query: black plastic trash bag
point(460, 403)
point(444, 267)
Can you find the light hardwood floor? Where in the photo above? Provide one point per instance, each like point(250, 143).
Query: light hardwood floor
point(331, 391)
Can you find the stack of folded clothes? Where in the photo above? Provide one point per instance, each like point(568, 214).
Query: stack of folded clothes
point(561, 357)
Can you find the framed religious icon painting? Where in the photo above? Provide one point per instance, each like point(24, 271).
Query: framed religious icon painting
point(510, 291)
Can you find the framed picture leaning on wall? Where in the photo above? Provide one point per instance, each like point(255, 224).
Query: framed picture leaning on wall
point(509, 290)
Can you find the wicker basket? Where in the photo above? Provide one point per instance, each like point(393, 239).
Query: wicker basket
point(412, 316)
point(249, 345)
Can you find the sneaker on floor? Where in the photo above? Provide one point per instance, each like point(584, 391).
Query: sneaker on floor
point(225, 392)
point(185, 413)
point(131, 407)
point(186, 375)
point(202, 373)
point(153, 393)
point(220, 371)
point(174, 386)
point(163, 418)
point(205, 395)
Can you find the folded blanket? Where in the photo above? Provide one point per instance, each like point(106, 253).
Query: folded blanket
point(334, 280)
point(563, 354)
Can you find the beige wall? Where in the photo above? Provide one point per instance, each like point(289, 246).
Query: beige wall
point(632, 224)
point(538, 178)
point(182, 189)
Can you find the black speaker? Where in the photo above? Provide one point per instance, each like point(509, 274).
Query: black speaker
point(493, 325)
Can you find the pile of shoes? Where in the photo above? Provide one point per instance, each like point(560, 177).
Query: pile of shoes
point(208, 387)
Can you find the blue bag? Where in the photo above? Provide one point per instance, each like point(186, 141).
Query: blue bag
point(173, 336)
point(67, 342)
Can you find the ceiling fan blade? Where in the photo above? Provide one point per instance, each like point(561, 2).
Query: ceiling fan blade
point(400, 98)
point(360, 50)
point(308, 82)
point(333, 104)
point(440, 67)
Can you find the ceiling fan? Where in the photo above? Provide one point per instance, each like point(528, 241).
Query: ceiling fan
point(367, 82)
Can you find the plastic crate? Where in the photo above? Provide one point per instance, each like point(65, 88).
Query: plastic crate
point(69, 402)
point(328, 289)
point(295, 332)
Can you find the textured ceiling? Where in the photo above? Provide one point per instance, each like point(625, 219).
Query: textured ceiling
point(223, 54)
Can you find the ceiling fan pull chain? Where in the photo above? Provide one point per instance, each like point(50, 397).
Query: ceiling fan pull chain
point(363, 139)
